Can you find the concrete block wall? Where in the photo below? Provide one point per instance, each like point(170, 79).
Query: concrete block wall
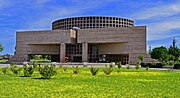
point(114, 48)
point(25, 40)
point(44, 49)
point(121, 40)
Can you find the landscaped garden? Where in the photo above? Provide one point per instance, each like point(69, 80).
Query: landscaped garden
point(78, 82)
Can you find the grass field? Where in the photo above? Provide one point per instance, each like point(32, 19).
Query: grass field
point(3, 61)
point(127, 83)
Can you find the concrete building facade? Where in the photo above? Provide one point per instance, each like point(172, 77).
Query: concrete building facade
point(85, 39)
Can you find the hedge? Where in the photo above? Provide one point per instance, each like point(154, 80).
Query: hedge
point(152, 65)
point(177, 66)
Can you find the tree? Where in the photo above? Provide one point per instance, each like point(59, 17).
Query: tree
point(150, 50)
point(1, 47)
point(7, 56)
point(159, 53)
point(141, 57)
point(174, 50)
point(171, 57)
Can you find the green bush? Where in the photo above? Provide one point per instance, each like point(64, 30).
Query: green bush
point(5, 70)
point(13, 64)
point(152, 65)
point(119, 65)
point(28, 70)
point(111, 65)
point(15, 69)
point(35, 65)
point(168, 63)
point(47, 71)
point(108, 70)
point(141, 57)
point(128, 66)
point(76, 70)
point(65, 68)
point(137, 65)
point(147, 68)
point(177, 66)
point(94, 71)
point(118, 71)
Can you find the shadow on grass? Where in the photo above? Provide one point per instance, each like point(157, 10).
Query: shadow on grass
point(25, 76)
point(44, 78)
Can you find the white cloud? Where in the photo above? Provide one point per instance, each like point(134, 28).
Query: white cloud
point(158, 11)
point(161, 20)
point(164, 26)
point(163, 29)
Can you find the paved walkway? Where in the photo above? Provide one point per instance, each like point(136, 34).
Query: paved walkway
point(124, 66)
point(4, 65)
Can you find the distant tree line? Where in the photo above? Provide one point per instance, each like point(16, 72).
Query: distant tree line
point(1, 47)
point(166, 54)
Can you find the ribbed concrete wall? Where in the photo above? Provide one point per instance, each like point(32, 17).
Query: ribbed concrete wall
point(90, 22)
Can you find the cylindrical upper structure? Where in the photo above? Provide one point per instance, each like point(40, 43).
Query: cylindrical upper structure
point(91, 22)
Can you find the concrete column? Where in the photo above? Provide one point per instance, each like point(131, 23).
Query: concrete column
point(62, 52)
point(85, 52)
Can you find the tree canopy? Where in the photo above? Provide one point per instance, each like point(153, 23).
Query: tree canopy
point(174, 50)
point(166, 54)
point(159, 53)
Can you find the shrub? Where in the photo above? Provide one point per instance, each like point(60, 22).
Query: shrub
point(15, 69)
point(137, 65)
point(94, 71)
point(112, 64)
point(28, 70)
point(76, 70)
point(35, 65)
point(47, 71)
point(152, 65)
point(60, 66)
point(159, 65)
point(65, 68)
point(128, 66)
point(177, 66)
point(108, 70)
point(5, 70)
point(141, 57)
point(118, 71)
point(119, 65)
point(168, 63)
point(147, 68)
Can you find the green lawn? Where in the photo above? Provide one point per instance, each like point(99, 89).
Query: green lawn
point(3, 61)
point(128, 83)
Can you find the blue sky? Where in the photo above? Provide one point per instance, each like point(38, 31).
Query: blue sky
point(162, 17)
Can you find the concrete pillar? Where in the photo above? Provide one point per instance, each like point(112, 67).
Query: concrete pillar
point(62, 52)
point(84, 52)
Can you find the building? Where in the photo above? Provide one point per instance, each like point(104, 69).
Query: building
point(85, 39)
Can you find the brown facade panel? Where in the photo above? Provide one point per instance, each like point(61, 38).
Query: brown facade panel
point(44, 49)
